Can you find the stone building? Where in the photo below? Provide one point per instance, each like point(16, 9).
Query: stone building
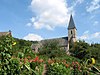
point(63, 41)
point(5, 33)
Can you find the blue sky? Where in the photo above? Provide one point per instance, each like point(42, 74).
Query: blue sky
point(44, 19)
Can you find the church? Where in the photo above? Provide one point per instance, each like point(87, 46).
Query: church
point(62, 41)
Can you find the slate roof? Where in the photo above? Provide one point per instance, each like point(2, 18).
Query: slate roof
point(63, 41)
point(71, 23)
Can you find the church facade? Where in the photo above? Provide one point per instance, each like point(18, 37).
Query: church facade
point(62, 41)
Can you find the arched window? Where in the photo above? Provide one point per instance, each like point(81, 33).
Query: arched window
point(71, 32)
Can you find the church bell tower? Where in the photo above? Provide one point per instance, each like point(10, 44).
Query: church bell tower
point(71, 30)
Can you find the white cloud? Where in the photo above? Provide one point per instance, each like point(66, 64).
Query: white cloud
point(86, 32)
point(95, 4)
point(96, 23)
point(32, 19)
point(75, 3)
point(29, 24)
point(33, 37)
point(84, 37)
point(87, 36)
point(78, 2)
point(50, 13)
point(96, 35)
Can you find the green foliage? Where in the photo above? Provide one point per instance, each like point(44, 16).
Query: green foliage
point(51, 49)
point(80, 49)
point(95, 51)
point(14, 66)
point(22, 46)
point(83, 50)
point(14, 59)
point(58, 69)
point(21, 43)
point(33, 65)
point(20, 55)
point(8, 65)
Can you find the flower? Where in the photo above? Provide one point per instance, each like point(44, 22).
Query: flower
point(36, 59)
point(93, 61)
point(14, 43)
point(67, 65)
point(30, 61)
point(40, 61)
point(76, 65)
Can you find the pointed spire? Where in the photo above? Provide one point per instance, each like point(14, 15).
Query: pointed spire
point(71, 23)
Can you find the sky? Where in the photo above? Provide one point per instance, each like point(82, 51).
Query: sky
point(45, 19)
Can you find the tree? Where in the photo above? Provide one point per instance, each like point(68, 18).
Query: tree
point(79, 49)
point(22, 46)
point(95, 51)
point(51, 49)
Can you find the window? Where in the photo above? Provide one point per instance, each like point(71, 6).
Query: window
point(71, 32)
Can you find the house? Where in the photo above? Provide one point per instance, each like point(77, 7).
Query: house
point(62, 41)
point(5, 33)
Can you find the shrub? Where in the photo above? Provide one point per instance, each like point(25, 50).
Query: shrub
point(80, 49)
point(58, 69)
point(51, 49)
point(8, 65)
